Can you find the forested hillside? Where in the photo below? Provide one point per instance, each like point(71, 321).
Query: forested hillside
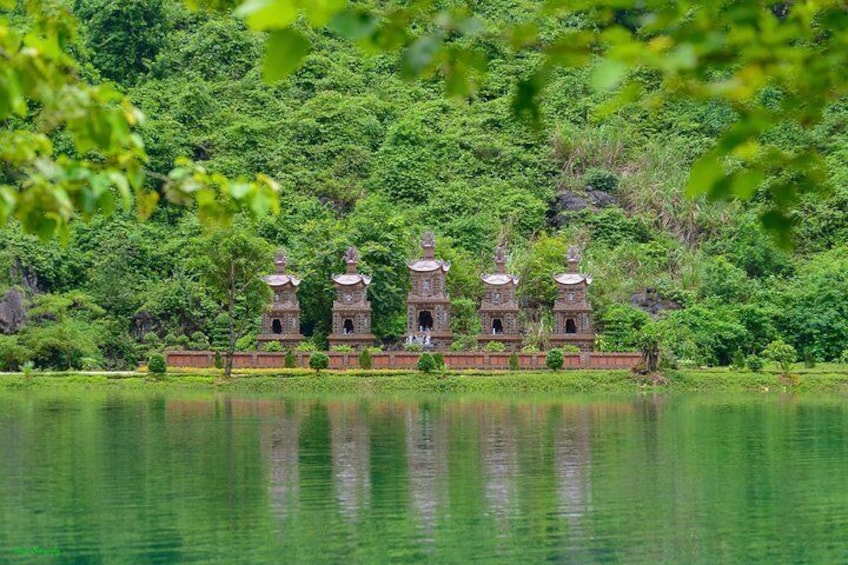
point(368, 158)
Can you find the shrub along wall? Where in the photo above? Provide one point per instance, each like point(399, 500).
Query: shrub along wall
point(408, 360)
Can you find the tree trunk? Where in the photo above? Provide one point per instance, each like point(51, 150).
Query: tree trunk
point(231, 345)
point(231, 348)
point(650, 359)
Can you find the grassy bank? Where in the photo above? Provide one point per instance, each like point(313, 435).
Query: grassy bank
point(826, 379)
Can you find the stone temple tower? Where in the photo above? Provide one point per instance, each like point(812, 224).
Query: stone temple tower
point(281, 322)
point(428, 303)
point(351, 309)
point(572, 310)
point(499, 309)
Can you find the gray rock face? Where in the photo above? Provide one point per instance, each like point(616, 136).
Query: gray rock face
point(569, 203)
point(142, 324)
point(25, 277)
point(601, 199)
point(652, 303)
point(12, 311)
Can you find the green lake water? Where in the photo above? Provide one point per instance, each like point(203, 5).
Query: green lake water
point(103, 477)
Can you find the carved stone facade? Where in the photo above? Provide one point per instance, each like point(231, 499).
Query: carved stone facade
point(281, 322)
point(428, 305)
point(499, 309)
point(572, 310)
point(351, 309)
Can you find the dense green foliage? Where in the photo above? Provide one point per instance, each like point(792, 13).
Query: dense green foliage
point(783, 354)
point(122, 38)
point(513, 361)
point(366, 158)
point(291, 360)
point(554, 359)
point(365, 361)
point(156, 364)
point(318, 361)
point(230, 263)
point(426, 363)
point(69, 146)
point(754, 363)
point(439, 360)
point(272, 346)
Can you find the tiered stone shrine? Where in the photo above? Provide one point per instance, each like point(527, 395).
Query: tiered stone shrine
point(499, 309)
point(351, 309)
point(281, 322)
point(428, 303)
point(572, 310)
point(429, 306)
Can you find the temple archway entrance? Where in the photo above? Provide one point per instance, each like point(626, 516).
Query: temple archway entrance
point(570, 326)
point(277, 327)
point(497, 326)
point(348, 326)
point(425, 321)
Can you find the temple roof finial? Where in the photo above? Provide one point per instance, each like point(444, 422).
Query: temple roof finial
point(281, 261)
point(280, 277)
point(500, 277)
point(500, 258)
point(573, 258)
point(428, 242)
point(351, 258)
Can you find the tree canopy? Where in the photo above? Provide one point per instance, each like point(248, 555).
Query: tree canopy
point(776, 67)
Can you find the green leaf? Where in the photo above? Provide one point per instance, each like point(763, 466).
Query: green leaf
point(106, 202)
point(705, 174)
point(11, 94)
point(748, 127)
point(744, 184)
point(268, 14)
point(284, 52)
point(571, 49)
point(260, 204)
point(420, 54)
point(99, 184)
point(625, 95)
point(135, 175)
point(354, 24)
point(239, 190)
point(319, 12)
point(523, 34)
point(463, 68)
point(682, 57)
point(8, 200)
point(780, 226)
point(123, 186)
point(470, 26)
point(608, 74)
point(457, 82)
point(42, 226)
point(525, 103)
point(146, 203)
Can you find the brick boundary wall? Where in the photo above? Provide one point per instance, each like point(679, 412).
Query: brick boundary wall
point(407, 360)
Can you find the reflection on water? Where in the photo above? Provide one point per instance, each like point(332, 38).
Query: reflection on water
point(498, 451)
point(427, 464)
point(573, 465)
point(282, 455)
point(350, 440)
point(133, 477)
